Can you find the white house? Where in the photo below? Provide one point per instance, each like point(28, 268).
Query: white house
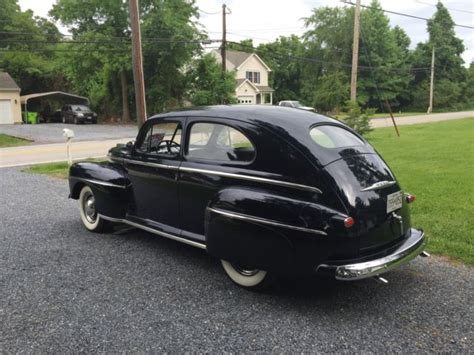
point(10, 108)
point(251, 74)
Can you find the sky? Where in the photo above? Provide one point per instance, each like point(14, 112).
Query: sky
point(266, 20)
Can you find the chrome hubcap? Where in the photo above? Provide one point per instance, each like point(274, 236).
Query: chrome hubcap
point(88, 206)
point(244, 271)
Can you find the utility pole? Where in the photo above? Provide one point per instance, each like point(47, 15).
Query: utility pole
point(137, 62)
point(430, 107)
point(224, 30)
point(355, 52)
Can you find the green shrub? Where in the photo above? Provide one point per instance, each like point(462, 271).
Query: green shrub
point(357, 119)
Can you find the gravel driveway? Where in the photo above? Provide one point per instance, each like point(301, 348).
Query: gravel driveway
point(63, 289)
point(53, 132)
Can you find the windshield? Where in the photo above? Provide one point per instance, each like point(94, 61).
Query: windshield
point(329, 136)
point(296, 104)
point(80, 108)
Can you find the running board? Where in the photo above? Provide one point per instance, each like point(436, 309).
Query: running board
point(154, 231)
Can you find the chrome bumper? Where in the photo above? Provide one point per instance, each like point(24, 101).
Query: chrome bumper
point(410, 249)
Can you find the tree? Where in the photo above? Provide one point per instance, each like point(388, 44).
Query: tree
point(282, 56)
point(449, 72)
point(382, 51)
point(169, 36)
point(25, 49)
point(327, 44)
point(208, 85)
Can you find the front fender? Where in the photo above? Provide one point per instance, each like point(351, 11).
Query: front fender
point(108, 181)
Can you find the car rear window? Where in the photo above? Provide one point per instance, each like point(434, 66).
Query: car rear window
point(328, 136)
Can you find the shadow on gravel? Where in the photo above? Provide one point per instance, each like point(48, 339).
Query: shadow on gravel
point(311, 291)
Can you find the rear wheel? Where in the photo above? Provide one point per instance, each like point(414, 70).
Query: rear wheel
point(89, 215)
point(246, 277)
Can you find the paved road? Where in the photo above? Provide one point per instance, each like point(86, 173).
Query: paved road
point(408, 120)
point(53, 132)
point(47, 153)
point(64, 290)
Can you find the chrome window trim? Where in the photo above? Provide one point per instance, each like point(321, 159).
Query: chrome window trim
point(264, 221)
point(98, 182)
point(152, 165)
point(252, 178)
point(155, 231)
point(379, 185)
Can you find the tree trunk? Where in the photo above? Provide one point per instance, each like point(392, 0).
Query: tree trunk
point(125, 105)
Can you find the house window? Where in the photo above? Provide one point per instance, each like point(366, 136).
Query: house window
point(253, 76)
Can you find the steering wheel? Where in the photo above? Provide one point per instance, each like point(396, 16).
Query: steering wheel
point(169, 145)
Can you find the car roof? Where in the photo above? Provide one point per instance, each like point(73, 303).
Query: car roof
point(288, 123)
point(268, 115)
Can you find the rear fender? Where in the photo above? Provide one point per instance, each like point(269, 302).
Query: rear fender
point(109, 183)
point(250, 227)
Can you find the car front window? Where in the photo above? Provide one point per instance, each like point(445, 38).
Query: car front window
point(162, 138)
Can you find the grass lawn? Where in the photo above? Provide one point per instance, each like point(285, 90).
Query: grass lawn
point(435, 162)
point(9, 141)
point(58, 170)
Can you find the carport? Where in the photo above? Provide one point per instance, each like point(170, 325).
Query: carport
point(34, 101)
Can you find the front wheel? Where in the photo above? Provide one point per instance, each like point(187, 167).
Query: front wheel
point(89, 216)
point(245, 277)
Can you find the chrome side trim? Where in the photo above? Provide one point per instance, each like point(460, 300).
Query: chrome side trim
point(252, 178)
point(264, 221)
point(154, 231)
point(98, 182)
point(411, 248)
point(153, 165)
point(379, 185)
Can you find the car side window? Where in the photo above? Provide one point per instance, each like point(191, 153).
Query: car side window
point(218, 142)
point(162, 139)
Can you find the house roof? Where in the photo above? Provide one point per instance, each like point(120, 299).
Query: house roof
point(264, 88)
point(7, 83)
point(24, 99)
point(237, 57)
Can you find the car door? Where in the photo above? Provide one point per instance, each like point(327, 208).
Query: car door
point(153, 171)
point(212, 147)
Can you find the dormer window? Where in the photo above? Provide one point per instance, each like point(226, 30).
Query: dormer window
point(253, 76)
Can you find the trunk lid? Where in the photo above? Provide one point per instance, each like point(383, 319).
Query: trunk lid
point(371, 195)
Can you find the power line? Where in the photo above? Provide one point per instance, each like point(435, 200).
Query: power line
point(401, 14)
point(449, 8)
point(208, 12)
point(317, 60)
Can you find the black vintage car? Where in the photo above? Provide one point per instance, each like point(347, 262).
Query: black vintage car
point(78, 114)
point(268, 190)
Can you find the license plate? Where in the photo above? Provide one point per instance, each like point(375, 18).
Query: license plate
point(394, 201)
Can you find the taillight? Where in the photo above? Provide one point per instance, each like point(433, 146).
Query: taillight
point(410, 198)
point(349, 222)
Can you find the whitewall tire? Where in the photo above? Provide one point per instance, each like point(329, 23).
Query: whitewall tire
point(253, 279)
point(89, 215)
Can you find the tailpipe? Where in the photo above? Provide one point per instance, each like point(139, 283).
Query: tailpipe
point(425, 254)
point(380, 280)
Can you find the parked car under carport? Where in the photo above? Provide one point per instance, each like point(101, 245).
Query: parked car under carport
point(43, 102)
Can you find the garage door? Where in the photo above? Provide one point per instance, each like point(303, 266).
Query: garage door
point(5, 112)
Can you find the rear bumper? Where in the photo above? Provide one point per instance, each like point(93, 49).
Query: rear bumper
point(408, 250)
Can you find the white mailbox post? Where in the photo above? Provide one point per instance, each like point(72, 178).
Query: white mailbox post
point(68, 134)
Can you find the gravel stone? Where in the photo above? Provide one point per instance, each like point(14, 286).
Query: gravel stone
point(63, 289)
